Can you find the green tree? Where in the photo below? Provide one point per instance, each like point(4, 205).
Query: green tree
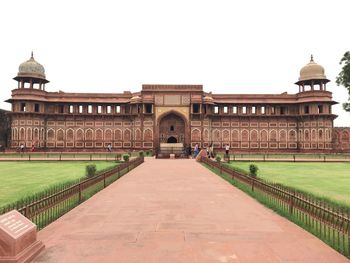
point(343, 77)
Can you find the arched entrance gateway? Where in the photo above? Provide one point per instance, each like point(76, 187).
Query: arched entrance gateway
point(172, 129)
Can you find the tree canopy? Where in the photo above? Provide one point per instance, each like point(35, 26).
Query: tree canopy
point(343, 77)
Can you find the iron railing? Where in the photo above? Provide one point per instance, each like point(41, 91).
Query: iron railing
point(327, 221)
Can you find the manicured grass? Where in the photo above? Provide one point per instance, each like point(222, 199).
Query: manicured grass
point(20, 179)
point(326, 180)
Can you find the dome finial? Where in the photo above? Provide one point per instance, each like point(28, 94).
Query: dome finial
point(312, 58)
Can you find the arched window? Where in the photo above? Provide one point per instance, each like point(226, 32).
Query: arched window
point(148, 135)
point(80, 135)
point(127, 135)
point(206, 135)
point(320, 135)
point(263, 136)
point(36, 134)
point(50, 135)
point(22, 134)
point(117, 135)
point(283, 135)
point(226, 135)
point(60, 135)
point(307, 136)
point(235, 135)
point(292, 136)
point(313, 135)
point(108, 135)
point(196, 135)
point(245, 136)
point(70, 135)
point(89, 135)
point(29, 134)
point(216, 135)
point(273, 136)
point(254, 136)
point(99, 134)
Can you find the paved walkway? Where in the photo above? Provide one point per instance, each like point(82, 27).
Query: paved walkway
point(177, 211)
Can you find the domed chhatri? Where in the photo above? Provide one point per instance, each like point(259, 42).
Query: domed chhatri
point(312, 75)
point(31, 74)
point(312, 71)
point(31, 69)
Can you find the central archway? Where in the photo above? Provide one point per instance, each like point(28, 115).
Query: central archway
point(172, 139)
point(172, 128)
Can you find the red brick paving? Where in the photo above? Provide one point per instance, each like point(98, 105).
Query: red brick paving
point(177, 211)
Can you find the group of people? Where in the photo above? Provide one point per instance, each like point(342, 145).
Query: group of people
point(210, 150)
point(21, 148)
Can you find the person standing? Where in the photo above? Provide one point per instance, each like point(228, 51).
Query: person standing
point(227, 150)
point(196, 150)
point(211, 150)
point(22, 148)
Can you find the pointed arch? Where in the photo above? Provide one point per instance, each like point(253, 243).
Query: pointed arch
point(108, 135)
point(89, 134)
point(313, 135)
point(235, 135)
point(254, 136)
point(29, 134)
point(273, 136)
point(80, 134)
point(264, 136)
point(138, 135)
point(320, 135)
point(226, 135)
point(60, 135)
point(245, 135)
point(283, 135)
point(306, 135)
point(36, 134)
point(292, 136)
point(50, 135)
point(148, 135)
point(216, 135)
point(118, 135)
point(206, 135)
point(127, 134)
point(70, 135)
point(99, 134)
point(196, 135)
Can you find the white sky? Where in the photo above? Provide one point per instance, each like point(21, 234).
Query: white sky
point(228, 46)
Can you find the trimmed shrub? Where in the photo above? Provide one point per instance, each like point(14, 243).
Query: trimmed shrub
point(141, 153)
point(253, 170)
point(126, 157)
point(218, 158)
point(90, 170)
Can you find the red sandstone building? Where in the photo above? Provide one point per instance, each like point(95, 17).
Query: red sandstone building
point(301, 122)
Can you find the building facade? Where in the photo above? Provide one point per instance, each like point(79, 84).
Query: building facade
point(301, 122)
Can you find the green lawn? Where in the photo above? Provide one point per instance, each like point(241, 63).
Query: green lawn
point(20, 179)
point(326, 180)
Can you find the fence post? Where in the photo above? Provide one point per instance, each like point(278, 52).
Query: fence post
point(80, 190)
point(252, 184)
point(26, 212)
point(104, 180)
point(291, 202)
